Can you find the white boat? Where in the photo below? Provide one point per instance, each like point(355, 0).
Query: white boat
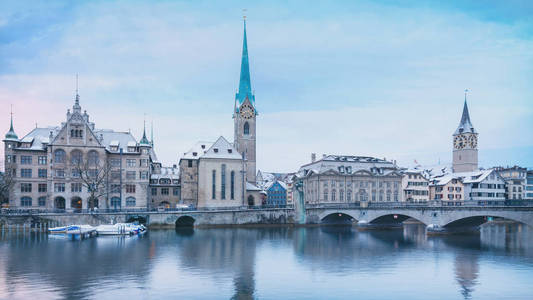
point(58, 230)
point(116, 229)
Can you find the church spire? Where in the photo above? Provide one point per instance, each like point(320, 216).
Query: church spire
point(465, 125)
point(11, 133)
point(77, 107)
point(245, 86)
point(152, 133)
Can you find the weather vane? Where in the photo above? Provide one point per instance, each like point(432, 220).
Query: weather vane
point(466, 91)
point(244, 13)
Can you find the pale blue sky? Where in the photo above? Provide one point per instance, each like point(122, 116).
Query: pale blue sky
point(381, 78)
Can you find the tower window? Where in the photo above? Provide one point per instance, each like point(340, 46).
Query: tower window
point(246, 128)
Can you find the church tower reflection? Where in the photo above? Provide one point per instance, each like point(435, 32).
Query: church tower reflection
point(466, 267)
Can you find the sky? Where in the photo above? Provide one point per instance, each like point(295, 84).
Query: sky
point(377, 78)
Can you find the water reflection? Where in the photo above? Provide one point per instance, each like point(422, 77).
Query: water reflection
point(236, 262)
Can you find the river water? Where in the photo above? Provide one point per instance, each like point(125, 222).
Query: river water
point(272, 263)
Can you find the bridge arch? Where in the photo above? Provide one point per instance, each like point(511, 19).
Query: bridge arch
point(338, 218)
point(394, 218)
point(479, 218)
point(185, 221)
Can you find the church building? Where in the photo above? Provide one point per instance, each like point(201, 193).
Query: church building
point(465, 144)
point(221, 174)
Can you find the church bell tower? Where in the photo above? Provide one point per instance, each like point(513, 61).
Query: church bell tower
point(465, 144)
point(244, 116)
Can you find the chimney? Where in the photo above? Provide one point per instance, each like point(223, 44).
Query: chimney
point(313, 157)
point(324, 155)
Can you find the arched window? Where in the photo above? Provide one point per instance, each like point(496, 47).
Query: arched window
point(76, 157)
point(92, 157)
point(232, 187)
point(325, 194)
point(59, 156)
point(130, 201)
point(25, 201)
point(246, 128)
point(115, 202)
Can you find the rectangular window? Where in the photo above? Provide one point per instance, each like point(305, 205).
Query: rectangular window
point(75, 187)
point(60, 173)
point(92, 173)
point(130, 163)
point(115, 175)
point(130, 175)
point(26, 173)
point(223, 182)
point(143, 162)
point(42, 187)
point(176, 192)
point(114, 162)
point(154, 191)
point(42, 201)
point(25, 160)
point(75, 173)
point(59, 187)
point(213, 187)
point(41, 160)
point(164, 191)
point(115, 188)
point(130, 188)
point(25, 187)
point(143, 175)
point(42, 173)
point(232, 186)
point(189, 163)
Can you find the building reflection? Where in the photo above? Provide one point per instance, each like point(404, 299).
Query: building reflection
point(466, 267)
point(72, 267)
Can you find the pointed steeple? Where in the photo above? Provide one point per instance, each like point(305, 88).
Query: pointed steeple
point(11, 135)
point(465, 126)
point(245, 86)
point(77, 107)
point(152, 134)
point(144, 140)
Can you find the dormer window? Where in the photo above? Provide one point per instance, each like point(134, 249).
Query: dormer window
point(195, 154)
point(341, 169)
point(131, 149)
point(230, 150)
point(216, 150)
point(114, 148)
point(203, 146)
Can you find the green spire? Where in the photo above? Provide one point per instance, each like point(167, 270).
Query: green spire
point(144, 140)
point(11, 133)
point(245, 86)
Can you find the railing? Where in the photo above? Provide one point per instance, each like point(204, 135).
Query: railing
point(37, 211)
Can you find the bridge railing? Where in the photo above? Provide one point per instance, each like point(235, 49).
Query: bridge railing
point(40, 211)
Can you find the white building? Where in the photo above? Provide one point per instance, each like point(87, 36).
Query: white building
point(415, 186)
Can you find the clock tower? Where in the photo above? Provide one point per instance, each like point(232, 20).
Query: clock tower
point(465, 144)
point(244, 116)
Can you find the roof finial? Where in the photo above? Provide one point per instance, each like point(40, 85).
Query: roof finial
point(144, 140)
point(244, 14)
point(466, 91)
point(76, 83)
point(77, 107)
point(152, 133)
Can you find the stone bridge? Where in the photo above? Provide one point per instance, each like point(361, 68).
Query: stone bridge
point(439, 216)
point(442, 217)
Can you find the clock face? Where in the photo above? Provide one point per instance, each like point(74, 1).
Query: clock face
point(247, 111)
point(459, 142)
point(472, 141)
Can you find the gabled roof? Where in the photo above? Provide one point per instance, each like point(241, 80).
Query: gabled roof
point(222, 149)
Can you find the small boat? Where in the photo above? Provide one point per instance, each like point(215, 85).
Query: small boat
point(58, 230)
point(116, 229)
point(74, 232)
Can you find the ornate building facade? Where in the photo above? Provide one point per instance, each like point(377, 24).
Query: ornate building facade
point(76, 166)
point(339, 179)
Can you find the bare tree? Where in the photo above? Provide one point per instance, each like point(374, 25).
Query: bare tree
point(6, 183)
point(93, 174)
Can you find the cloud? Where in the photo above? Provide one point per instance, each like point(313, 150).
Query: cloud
point(371, 79)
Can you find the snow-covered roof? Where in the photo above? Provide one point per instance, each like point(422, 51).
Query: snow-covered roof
point(252, 187)
point(344, 164)
point(39, 137)
point(167, 172)
point(115, 138)
point(219, 149)
point(465, 177)
point(271, 183)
